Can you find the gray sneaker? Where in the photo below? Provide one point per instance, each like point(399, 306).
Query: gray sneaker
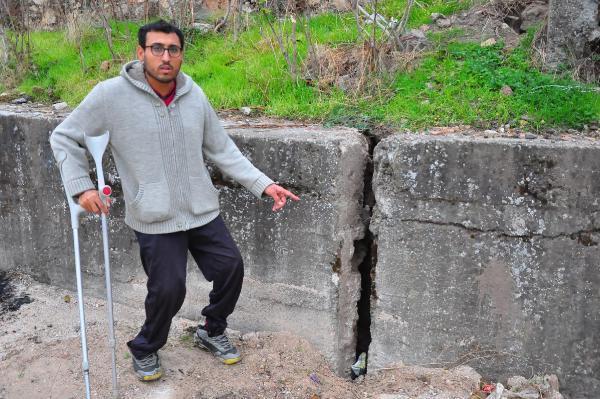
point(220, 346)
point(147, 368)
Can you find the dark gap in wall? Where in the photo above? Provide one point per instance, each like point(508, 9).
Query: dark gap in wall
point(367, 247)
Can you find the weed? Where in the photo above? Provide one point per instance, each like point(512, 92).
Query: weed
point(454, 83)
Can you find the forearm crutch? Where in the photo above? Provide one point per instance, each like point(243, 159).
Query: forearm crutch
point(76, 211)
point(96, 146)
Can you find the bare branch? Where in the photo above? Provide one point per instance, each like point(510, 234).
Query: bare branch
point(223, 21)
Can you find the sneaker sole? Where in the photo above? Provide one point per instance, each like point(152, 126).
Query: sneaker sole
point(230, 361)
point(152, 377)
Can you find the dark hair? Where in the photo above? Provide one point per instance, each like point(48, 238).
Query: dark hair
point(158, 26)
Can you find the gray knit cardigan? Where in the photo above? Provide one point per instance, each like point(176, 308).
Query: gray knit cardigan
point(159, 151)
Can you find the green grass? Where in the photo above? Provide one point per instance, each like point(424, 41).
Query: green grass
point(422, 10)
point(457, 83)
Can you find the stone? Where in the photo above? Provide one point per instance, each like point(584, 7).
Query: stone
point(62, 106)
point(506, 90)
point(246, 110)
point(530, 136)
point(570, 22)
point(470, 374)
point(552, 381)
point(418, 34)
point(489, 42)
point(517, 383)
point(533, 14)
point(594, 36)
point(105, 66)
point(20, 100)
point(342, 5)
point(203, 27)
point(443, 23)
point(6, 97)
point(344, 83)
point(436, 15)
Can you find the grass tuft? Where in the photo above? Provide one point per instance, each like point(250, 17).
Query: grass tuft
point(455, 83)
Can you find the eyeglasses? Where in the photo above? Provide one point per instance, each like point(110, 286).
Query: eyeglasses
point(158, 50)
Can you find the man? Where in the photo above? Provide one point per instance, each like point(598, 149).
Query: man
point(161, 126)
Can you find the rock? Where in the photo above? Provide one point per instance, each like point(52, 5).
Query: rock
point(436, 15)
point(203, 27)
point(551, 387)
point(489, 42)
point(62, 106)
point(516, 383)
point(568, 23)
point(424, 28)
point(490, 132)
point(105, 66)
point(530, 136)
point(594, 36)
point(20, 100)
point(470, 374)
point(533, 14)
point(246, 110)
point(6, 97)
point(506, 90)
point(417, 34)
point(344, 83)
point(443, 23)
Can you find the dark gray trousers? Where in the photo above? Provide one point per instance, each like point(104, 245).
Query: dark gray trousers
point(164, 257)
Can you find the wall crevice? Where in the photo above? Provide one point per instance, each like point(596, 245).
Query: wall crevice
point(366, 248)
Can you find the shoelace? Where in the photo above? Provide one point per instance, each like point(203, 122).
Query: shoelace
point(223, 341)
point(149, 360)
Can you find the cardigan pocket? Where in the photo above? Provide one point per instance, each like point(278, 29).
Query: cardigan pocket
point(152, 202)
point(204, 196)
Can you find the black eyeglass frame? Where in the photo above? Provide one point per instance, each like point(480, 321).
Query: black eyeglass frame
point(158, 50)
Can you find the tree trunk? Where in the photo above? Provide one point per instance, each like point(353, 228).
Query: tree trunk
point(572, 27)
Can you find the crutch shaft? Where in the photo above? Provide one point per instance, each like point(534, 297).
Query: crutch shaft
point(85, 362)
point(111, 324)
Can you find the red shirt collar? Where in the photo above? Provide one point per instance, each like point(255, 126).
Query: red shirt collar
point(169, 97)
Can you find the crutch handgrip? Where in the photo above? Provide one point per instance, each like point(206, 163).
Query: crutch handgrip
point(96, 145)
point(76, 211)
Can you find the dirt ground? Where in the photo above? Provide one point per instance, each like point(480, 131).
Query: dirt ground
point(40, 357)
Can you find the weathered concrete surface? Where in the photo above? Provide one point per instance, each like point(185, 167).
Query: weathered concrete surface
point(573, 27)
point(301, 271)
point(488, 250)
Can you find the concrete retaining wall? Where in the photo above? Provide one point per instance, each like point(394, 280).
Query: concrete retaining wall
point(301, 271)
point(488, 250)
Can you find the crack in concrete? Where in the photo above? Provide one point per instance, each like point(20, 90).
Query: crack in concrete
point(583, 236)
point(367, 248)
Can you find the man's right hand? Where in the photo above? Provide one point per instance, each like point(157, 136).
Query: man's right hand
point(91, 202)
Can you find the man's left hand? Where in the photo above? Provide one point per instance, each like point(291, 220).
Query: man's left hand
point(279, 195)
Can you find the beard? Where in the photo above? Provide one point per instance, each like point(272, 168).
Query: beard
point(159, 77)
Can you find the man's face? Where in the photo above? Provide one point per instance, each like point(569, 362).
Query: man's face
point(163, 68)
